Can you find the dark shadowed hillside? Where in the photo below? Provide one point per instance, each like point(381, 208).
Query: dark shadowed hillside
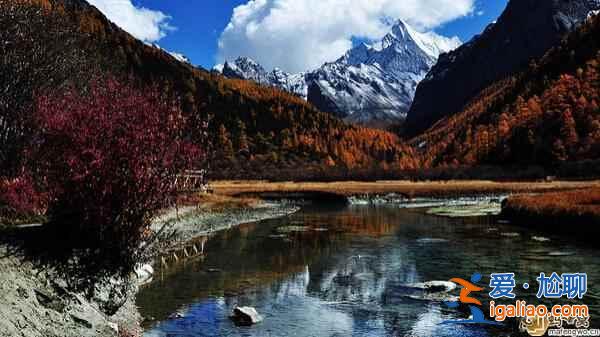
point(525, 31)
point(547, 116)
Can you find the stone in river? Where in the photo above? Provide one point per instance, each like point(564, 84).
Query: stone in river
point(434, 286)
point(245, 316)
point(177, 315)
point(540, 239)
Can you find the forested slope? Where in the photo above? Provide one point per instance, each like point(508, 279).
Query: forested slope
point(547, 115)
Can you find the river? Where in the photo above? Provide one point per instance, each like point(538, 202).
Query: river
point(355, 271)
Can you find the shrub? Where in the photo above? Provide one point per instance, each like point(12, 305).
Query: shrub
point(109, 158)
point(38, 52)
point(19, 199)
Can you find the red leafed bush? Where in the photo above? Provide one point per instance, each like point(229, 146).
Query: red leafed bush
point(19, 198)
point(109, 158)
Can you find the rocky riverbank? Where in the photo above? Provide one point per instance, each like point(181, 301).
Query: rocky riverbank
point(38, 301)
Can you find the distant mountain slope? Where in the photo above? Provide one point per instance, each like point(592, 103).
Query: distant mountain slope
point(256, 131)
point(370, 84)
point(245, 68)
point(547, 116)
point(524, 31)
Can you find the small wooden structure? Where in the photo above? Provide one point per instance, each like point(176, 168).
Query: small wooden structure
point(192, 181)
point(182, 253)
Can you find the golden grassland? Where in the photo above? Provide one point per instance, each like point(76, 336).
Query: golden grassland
point(582, 205)
point(407, 188)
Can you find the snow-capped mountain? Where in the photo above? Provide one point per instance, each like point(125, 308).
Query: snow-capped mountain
point(376, 83)
point(370, 84)
point(247, 69)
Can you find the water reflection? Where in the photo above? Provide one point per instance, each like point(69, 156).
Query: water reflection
point(347, 272)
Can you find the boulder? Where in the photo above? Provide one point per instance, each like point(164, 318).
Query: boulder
point(177, 315)
point(245, 316)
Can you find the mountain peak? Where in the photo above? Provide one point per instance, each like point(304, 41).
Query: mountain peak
point(244, 68)
point(245, 60)
point(247, 69)
point(433, 44)
point(400, 29)
point(368, 83)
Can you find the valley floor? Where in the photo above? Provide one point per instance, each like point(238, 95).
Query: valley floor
point(547, 206)
point(35, 302)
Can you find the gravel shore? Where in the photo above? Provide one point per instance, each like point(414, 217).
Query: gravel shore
point(184, 224)
point(38, 302)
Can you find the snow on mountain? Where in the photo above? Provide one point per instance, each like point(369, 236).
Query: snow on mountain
point(371, 84)
point(247, 69)
point(294, 83)
point(219, 68)
point(434, 44)
point(179, 57)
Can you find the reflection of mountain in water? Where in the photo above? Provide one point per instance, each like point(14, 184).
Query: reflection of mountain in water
point(354, 276)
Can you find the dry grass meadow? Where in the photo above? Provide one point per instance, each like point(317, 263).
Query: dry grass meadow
point(579, 204)
point(407, 188)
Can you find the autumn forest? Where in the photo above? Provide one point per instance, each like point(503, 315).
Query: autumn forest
point(544, 119)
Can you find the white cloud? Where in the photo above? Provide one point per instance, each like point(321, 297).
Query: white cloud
point(143, 23)
point(298, 35)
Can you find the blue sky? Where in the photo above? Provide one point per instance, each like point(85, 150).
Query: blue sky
point(194, 27)
point(199, 24)
point(465, 28)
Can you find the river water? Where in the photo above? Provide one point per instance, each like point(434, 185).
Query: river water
point(355, 271)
